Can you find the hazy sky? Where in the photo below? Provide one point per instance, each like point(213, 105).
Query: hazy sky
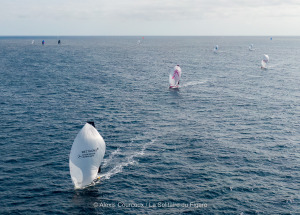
point(150, 17)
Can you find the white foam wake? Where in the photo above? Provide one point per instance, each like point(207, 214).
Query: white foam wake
point(111, 156)
point(191, 83)
point(129, 161)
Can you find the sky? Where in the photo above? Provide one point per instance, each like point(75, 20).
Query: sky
point(150, 17)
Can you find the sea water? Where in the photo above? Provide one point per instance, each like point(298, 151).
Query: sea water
point(227, 142)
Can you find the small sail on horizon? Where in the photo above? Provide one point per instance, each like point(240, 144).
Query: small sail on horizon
point(251, 47)
point(86, 155)
point(216, 48)
point(43, 42)
point(174, 77)
point(32, 42)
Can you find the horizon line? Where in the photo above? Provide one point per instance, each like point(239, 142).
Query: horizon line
point(149, 35)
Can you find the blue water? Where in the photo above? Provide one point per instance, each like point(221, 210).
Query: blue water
point(228, 142)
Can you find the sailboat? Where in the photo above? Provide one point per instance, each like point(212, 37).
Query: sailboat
point(86, 155)
point(174, 77)
point(251, 47)
point(216, 49)
point(264, 61)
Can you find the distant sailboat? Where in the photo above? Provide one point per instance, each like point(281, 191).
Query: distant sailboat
point(251, 47)
point(174, 77)
point(43, 42)
point(216, 48)
point(58, 42)
point(32, 42)
point(264, 61)
point(86, 155)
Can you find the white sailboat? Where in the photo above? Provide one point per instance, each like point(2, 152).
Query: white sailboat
point(216, 49)
point(86, 155)
point(174, 77)
point(264, 61)
point(251, 47)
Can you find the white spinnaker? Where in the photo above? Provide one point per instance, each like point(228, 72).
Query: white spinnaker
point(175, 76)
point(171, 80)
point(86, 155)
point(264, 61)
point(251, 47)
point(216, 48)
point(266, 58)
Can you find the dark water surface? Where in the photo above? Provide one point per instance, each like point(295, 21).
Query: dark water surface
point(228, 142)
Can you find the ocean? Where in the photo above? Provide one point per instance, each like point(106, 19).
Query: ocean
point(226, 142)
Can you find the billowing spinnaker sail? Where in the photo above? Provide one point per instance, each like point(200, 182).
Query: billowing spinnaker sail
point(86, 155)
point(251, 47)
point(264, 61)
point(171, 80)
point(216, 48)
point(175, 76)
point(266, 58)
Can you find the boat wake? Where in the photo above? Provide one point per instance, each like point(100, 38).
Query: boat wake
point(129, 160)
point(111, 156)
point(192, 83)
